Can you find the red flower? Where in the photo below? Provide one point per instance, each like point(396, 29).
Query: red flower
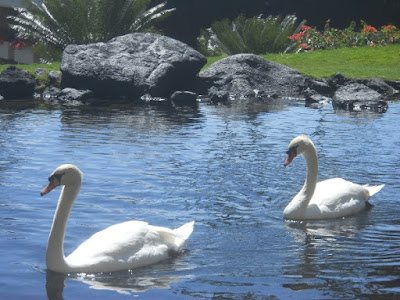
point(17, 44)
point(304, 27)
point(369, 28)
point(297, 36)
point(389, 27)
point(304, 46)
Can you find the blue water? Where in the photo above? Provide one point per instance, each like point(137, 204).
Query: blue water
point(223, 168)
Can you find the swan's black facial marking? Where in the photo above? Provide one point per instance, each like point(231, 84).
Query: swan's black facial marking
point(292, 153)
point(56, 177)
point(54, 181)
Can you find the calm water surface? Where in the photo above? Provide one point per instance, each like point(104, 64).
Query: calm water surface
point(223, 168)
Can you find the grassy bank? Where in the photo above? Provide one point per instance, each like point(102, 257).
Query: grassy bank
point(31, 68)
point(362, 62)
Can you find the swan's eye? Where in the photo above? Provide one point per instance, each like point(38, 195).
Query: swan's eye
point(56, 177)
point(292, 150)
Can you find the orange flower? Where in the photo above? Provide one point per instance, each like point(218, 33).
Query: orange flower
point(297, 36)
point(304, 46)
point(389, 28)
point(369, 28)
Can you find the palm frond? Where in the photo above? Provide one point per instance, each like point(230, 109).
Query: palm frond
point(57, 23)
point(255, 35)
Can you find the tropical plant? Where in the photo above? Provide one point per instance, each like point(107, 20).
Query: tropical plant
point(57, 23)
point(255, 35)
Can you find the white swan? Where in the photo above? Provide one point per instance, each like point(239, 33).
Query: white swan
point(122, 246)
point(330, 198)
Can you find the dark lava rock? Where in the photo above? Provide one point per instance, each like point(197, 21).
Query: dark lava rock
point(54, 78)
point(338, 80)
point(321, 86)
point(16, 83)
point(248, 75)
point(314, 99)
point(40, 71)
point(131, 66)
point(149, 99)
point(51, 92)
point(380, 86)
point(71, 96)
point(218, 96)
point(356, 91)
point(184, 98)
point(357, 97)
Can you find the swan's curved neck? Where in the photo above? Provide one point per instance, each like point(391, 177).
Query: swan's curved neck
point(296, 209)
point(312, 173)
point(55, 258)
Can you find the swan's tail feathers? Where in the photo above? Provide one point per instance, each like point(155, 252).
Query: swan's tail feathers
point(374, 189)
point(182, 233)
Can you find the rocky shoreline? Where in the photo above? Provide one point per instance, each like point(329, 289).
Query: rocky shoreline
point(153, 68)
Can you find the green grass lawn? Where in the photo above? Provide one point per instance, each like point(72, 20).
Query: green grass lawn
point(31, 68)
point(362, 62)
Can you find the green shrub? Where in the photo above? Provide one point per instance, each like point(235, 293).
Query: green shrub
point(255, 35)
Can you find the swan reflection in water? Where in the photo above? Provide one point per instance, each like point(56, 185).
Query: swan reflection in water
point(303, 231)
point(321, 245)
point(159, 276)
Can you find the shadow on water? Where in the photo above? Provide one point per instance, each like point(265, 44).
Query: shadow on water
point(177, 114)
point(18, 105)
point(172, 113)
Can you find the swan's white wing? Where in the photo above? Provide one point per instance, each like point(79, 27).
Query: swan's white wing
point(122, 246)
point(175, 238)
point(337, 197)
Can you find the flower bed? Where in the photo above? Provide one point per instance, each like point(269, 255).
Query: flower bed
point(309, 38)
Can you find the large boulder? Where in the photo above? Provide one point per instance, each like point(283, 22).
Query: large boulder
point(16, 83)
point(248, 75)
point(131, 66)
point(357, 96)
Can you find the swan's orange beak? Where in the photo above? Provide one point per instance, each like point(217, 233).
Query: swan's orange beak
point(52, 184)
point(290, 157)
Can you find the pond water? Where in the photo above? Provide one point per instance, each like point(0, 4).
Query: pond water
point(223, 168)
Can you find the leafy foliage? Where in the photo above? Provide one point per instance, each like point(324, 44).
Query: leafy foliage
point(57, 23)
point(255, 35)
